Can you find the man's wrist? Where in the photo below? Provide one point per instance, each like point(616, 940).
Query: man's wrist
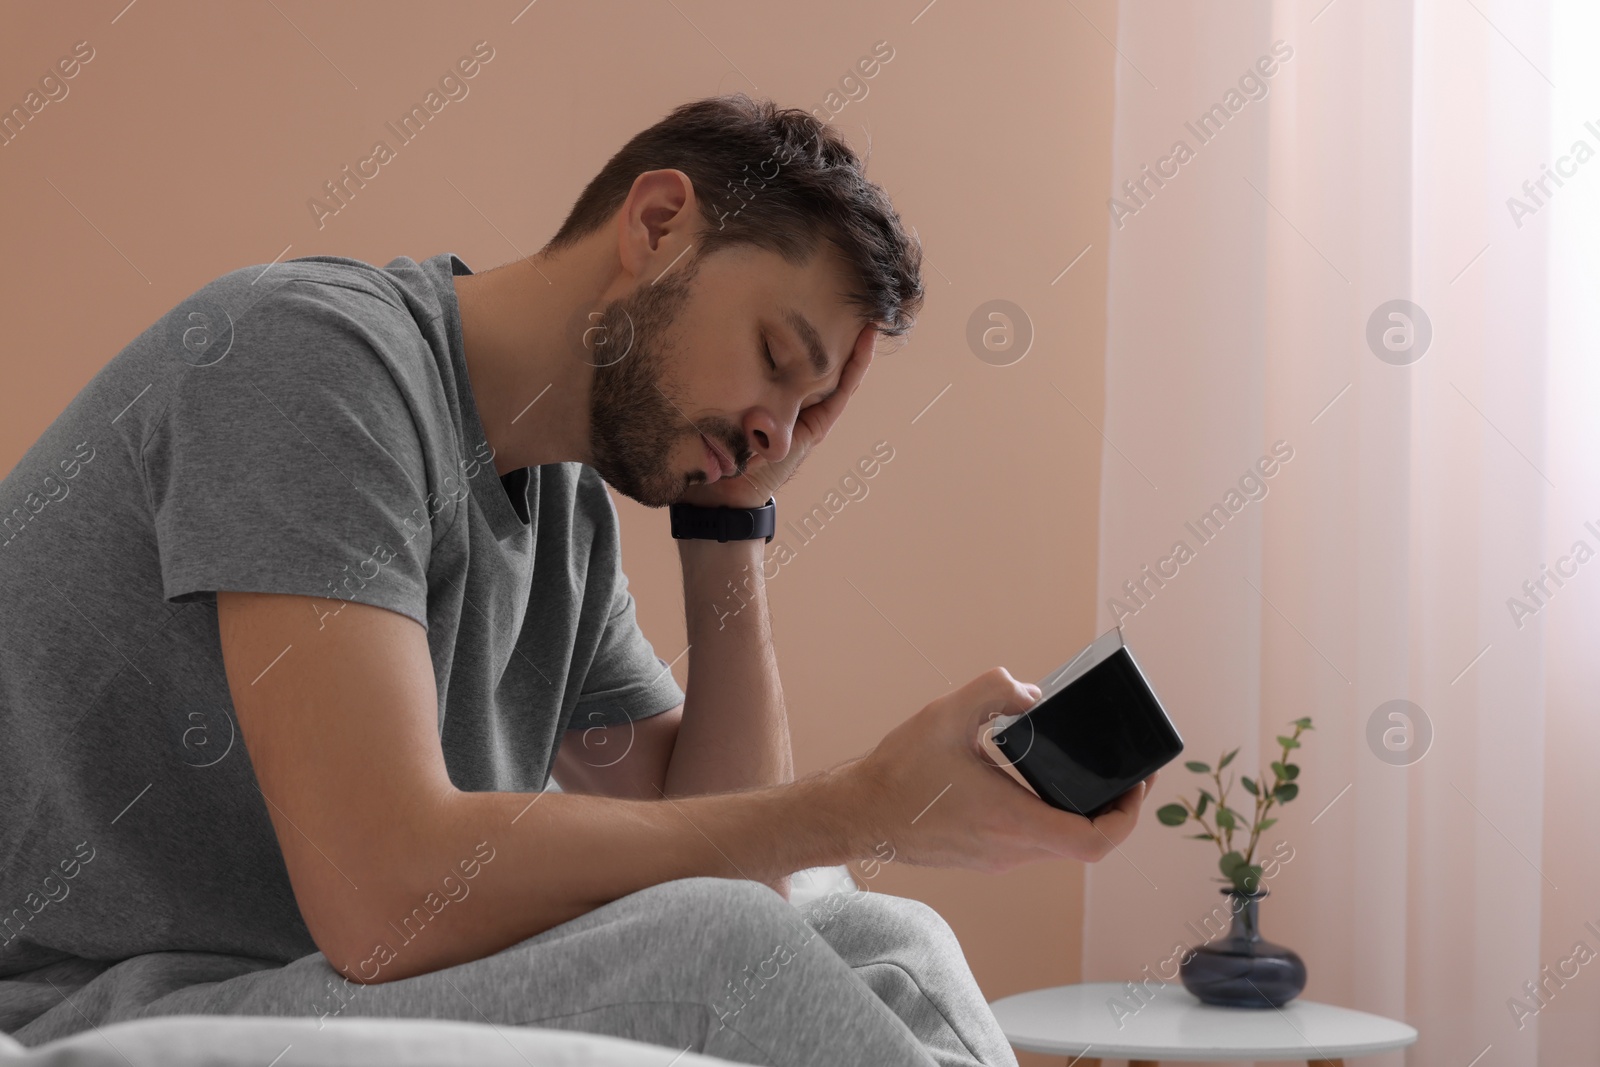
point(699, 551)
point(690, 520)
point(843, 815)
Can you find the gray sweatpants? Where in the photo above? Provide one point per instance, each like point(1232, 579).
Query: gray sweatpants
point(719, 966)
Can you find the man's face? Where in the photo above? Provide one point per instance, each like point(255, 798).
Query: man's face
point(689, 364)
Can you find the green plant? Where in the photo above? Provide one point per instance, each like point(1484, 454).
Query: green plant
point(1237, 867)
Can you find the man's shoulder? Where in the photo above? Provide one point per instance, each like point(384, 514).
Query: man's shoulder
point(331, 320)
point(313, 288)
point(310, 291)
point(321, 345)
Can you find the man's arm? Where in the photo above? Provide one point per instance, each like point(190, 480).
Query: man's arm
point(731, 732)
point(735, 733)
point(339, 717)
point(626, 760)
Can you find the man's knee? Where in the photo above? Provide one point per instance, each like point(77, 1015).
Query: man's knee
point(879, 923)
point(925, 922)
point(913, 913)
point(704, 890)
point(742, 936)
point(738, 910)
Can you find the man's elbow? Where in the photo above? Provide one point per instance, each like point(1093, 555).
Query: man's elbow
point(370, 948)
point(367, 971)
point(386, 961)
point(404, 919)
point(359, 943)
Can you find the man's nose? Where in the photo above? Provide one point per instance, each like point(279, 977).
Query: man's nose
point(769, 437)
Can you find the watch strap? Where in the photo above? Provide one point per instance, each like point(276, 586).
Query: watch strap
point(722, 523)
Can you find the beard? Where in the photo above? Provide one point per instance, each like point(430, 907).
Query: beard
point(636, 412)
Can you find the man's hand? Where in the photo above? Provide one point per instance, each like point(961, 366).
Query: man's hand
point(761, 479)
point(933, 792)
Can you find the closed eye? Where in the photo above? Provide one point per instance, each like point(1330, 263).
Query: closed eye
point(767, 350)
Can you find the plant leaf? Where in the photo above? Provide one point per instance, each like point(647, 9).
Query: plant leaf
point(1197, 767)
point(1264, 823)
point(1250, 786)
point(1227, 759)
point(1246, 877)
point(1288, 742)
point(1207, 794)
point(1225, 819)
point(1304, 724)
point(1229, 862)
point(1203, 837)
point(1172, 814)
point(1286, 792)
point(1200, 808)
point(1293, 769)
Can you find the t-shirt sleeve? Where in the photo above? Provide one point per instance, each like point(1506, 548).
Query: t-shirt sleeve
point(293, 465)
point(626, 679)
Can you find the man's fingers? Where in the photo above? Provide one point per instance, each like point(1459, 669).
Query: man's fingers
point(996, 690)
point(855, 368)
point(860, 360)
point(1133, 798)
point(1117, 823)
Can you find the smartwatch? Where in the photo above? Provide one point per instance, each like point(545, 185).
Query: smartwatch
point(724, 524)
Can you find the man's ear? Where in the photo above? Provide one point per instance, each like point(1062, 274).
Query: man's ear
point(657, 222)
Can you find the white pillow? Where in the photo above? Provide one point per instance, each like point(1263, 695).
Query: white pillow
point(815, 883)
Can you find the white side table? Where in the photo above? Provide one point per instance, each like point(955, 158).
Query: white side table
point(1075, 1021)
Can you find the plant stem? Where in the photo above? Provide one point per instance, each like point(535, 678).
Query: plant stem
point(1199, 819)
point(1265, 798)
point(1222, 803)
point(1263, 805)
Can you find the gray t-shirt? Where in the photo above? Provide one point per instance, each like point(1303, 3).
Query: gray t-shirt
point(306, 428)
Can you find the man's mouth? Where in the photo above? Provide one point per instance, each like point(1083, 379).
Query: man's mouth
point(719, 466)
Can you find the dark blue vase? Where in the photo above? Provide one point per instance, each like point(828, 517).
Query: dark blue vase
point(1242, 970)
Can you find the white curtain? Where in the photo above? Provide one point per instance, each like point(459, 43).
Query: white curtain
point(1444, 858)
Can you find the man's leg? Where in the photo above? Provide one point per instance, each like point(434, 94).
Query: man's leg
point(719, 966)
point(907, 954)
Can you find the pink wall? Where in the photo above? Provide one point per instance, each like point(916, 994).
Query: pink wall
point(191, 142)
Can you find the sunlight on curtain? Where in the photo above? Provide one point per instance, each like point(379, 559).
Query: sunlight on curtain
point(1569, 1026)
point(1327, 280)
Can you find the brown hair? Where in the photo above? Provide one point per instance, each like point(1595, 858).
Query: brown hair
point(778, 179)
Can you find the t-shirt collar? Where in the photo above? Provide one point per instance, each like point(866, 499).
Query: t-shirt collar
point(488, 488)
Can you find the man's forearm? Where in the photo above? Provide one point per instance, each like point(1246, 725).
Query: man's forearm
point(735, 733)
point(486, 870)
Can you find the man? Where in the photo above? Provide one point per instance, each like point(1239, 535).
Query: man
point(316, 584)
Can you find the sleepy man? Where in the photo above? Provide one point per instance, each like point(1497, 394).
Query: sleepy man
point(314, 587)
